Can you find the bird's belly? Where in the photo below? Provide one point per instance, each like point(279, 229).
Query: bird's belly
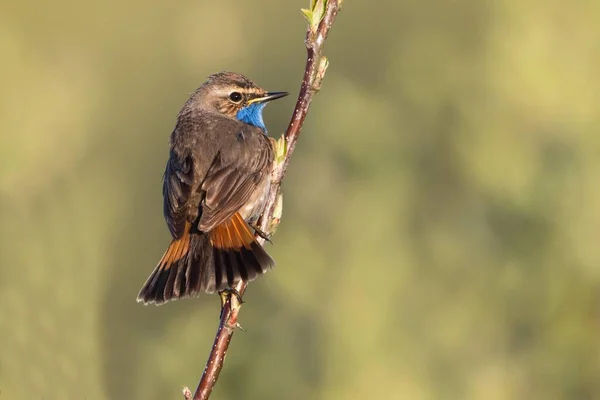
point(253, 207)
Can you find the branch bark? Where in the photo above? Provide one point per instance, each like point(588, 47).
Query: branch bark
point(321, 18)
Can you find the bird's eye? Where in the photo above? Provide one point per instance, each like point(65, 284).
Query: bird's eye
point(236, 97)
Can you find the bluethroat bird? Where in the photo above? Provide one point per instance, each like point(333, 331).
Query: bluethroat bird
point(215, 184)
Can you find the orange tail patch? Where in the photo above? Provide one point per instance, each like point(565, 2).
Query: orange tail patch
point(176, 251)
point(232, 234)
point(165, 281)
point(236, 255)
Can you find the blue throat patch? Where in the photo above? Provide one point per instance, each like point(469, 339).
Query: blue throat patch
point(252, 115)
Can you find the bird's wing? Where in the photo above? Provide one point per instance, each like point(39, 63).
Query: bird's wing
point(241, 164)
point(178, 183)
point(217, 181)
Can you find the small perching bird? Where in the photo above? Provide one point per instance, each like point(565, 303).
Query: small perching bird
point(215, 185)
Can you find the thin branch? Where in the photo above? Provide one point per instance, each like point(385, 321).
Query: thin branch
point(321, 18)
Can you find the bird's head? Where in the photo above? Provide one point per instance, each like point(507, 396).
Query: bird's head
point(237, 97)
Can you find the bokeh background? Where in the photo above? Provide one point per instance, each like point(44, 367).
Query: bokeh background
point(441, 213)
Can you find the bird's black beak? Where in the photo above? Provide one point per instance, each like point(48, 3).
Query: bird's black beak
point(270, 96)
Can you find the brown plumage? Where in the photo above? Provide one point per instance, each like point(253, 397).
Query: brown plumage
point(215, 183)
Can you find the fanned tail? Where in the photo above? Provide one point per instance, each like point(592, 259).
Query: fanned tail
point(208, 262)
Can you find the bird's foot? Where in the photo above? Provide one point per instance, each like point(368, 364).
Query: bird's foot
point(260, 233)
point(225, 294)
point(234, 298)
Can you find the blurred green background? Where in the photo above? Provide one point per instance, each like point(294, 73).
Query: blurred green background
point(441, 216)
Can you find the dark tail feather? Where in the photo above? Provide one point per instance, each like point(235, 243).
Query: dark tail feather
point(237, 256)
point(167, 281)
point(206, 262)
